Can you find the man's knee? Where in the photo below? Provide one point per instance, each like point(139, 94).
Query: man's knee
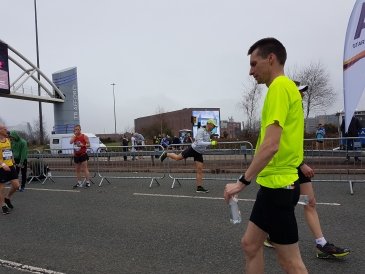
point(292, 264)
point(290, 259)
point(179, 157)
point(249, 246)
point(15, 184)
point(199, 166)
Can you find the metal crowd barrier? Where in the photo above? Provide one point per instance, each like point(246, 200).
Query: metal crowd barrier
point(60, 164)
point(340, 159)
point(37, 170)
point(226, 161)
point(130, 162)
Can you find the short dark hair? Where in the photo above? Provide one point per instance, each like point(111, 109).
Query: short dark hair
point(269, 45)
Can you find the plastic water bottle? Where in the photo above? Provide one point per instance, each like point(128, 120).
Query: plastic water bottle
point(234, 211)
point(303, 200)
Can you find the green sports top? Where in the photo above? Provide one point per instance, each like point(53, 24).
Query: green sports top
point(283, 104)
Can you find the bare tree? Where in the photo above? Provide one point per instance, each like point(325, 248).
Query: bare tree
point(320, 94)
point(33, 132)
point(128, 129)
point(29, 129)
point(249, 103)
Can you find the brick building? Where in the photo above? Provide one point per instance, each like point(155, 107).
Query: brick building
point(231, 128)
point(174, 120)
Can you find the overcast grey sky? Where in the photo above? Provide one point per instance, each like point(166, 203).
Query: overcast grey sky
point(167, 54)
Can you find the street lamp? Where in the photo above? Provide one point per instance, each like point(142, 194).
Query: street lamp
point(41, 135)
point(115, 119)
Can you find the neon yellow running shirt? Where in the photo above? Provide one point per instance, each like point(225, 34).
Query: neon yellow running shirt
point(283, 104)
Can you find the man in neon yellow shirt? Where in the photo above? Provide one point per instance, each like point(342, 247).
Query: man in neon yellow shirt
point(325, 249)
point(279, 152)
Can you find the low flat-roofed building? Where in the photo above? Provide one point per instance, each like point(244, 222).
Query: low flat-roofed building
point(174, 120)
point(231, 128)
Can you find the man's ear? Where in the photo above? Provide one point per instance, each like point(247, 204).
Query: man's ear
point(271, 58)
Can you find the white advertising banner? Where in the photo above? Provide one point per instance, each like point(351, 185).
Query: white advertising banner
point(354, 61)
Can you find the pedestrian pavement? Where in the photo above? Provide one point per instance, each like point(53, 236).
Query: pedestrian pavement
point(127, 227)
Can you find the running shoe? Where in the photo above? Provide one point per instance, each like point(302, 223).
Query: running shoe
point(87, 184)
point(8, 203)
point(201, 189)
point(5, 210)
point(77, 185)
point(331, 251)
point(268, 243)
point(163, 156)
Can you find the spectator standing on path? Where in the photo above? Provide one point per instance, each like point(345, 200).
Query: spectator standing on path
point(188, 139)
point(133, 148)
point(140, 141)
point(7, 171)
point(125, 146)
point(156, 142)
point(196, 150)
point(176, 142)
point(165, 141)
point(353, 131)
point(81, 143)
point(20, 150)
point(320, 135)
point(279, 151)
point(157, 139)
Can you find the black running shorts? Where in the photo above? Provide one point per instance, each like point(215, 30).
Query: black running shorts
point(81, 158)
point(273, 212)
point(6, 176)
point(302, 178)
point(190, 152)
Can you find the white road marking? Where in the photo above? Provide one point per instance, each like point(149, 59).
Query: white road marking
point(51, 190)
point(178, 196)
point(55, 190)
point(330, 204)
point(27, 268)
point(210, 198)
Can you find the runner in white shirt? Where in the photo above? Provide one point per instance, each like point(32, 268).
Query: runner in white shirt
point(196, 150)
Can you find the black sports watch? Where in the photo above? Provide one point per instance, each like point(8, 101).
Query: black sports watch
point(243, 180)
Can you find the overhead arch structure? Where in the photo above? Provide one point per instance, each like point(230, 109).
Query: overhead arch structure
point(49, 92)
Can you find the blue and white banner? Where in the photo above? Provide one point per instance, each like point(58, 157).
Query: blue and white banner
point(354, 61)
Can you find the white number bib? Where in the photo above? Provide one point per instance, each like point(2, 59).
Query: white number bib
point(7, 154)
